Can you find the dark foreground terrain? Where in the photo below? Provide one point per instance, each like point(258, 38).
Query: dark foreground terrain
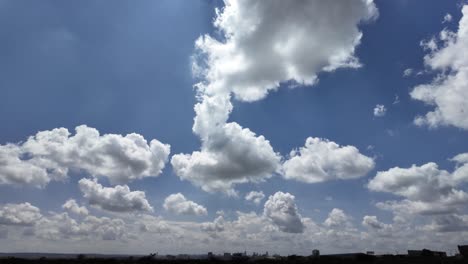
point(283, 260)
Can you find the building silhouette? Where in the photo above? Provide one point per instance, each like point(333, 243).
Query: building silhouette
point(426, 253)
point(463, 249)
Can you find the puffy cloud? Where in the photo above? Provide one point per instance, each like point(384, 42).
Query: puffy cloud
point(255, 197)
point(281, 209)
point(380, 110)
point(426, 182)
point(62, 226)
point(216, 226)
point(49, 155)
point(372, 222)
point(15, 170)
point(230, 154)
point(449, 223)
point(115, 199)
point(321, 160)
point(140, 232)
point(450, 203)
point(266, 43)
point(152, 224)
point(73, 207)
point(383, 231)
point(461, 173)
point(336, 218)
point(263, 44)
point(178, 204)
point(426, 189)
point(448, 92)
point(23, 214)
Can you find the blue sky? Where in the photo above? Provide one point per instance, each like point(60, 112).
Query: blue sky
point(126, 68)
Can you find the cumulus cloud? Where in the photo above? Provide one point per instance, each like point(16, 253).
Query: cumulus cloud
point(321, 160)
point(216, 226)
point(448, 92)
point(372, 222)
point(50, 155)
point(449, 223)
point(230, 154)
point(461, 172)
point(263, 45)
point(281, 209)
point(115, 199)
point(266, 43)
point(255, 197)
point(178, 204)
point(426, 189)
point(72, 206)
point(15, 170)
point(380, 110)
point(336, 218)
point(424, 182)
point(140, 232)
point(152, 224)
point(23, 214)
point(59, 226)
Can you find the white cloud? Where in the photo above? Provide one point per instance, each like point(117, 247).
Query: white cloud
point(139, 233)
point(73, 207)
point(448, 92)
point(449, 223)
point(266, 43)
point(51, 154)
point(178, 204)
point(426, 189)
point(337, 218)
point(115, 199)
point(451, 203)
point(230, 154)
point(430, 44)
point(60, 226)
point(373, 223)
point(255, 197)
point(321, 160)
point(423, 183)
point(281, 209)
point(380, 110)
point(152, 224)
point(447, 18)
point(17, 171)
point(263, 44)
point(23, 214)
point(216, 226)
point(461, 172)
point(408, 72)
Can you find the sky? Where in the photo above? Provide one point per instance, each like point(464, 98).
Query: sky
point(193, 126)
